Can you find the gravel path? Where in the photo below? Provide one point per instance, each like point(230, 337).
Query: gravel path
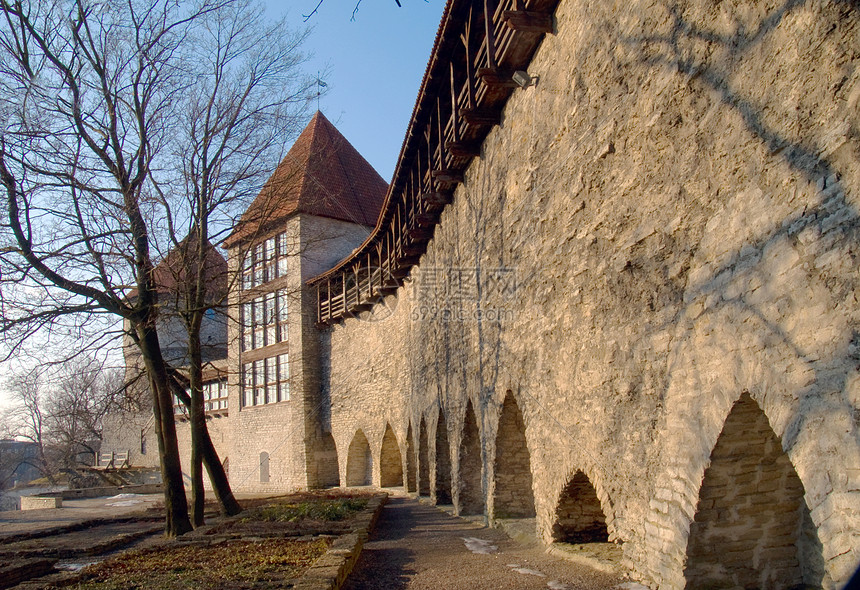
point(417, 546)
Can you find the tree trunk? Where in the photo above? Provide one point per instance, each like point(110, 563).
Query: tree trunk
point(220, 484)
point(218, 477)
point(175, 502)
point(198, 425)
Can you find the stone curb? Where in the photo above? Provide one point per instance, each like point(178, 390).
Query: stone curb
point(329, 572)
point(24, 569)
point(74, 527)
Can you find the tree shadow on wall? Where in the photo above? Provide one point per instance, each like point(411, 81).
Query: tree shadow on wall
point(830, 218)
point(833, 218)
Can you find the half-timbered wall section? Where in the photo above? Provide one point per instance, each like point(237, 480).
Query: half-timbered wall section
point(479, 47)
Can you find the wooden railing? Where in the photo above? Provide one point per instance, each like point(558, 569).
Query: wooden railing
point(464, 90)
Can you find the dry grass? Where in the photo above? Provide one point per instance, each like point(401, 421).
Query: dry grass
point(229, 565)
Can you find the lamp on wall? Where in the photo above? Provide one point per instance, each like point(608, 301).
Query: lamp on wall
point(524, 79)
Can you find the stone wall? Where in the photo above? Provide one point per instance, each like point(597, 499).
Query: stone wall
point(667, 221)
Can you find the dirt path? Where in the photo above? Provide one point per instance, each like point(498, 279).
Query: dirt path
point(417, 546)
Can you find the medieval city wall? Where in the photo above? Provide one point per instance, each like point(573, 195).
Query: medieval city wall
point(677, 203)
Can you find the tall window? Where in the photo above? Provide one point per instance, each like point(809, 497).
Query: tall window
point(266, 381)
point(264, 320)
point(214, 397)
point(265, 262)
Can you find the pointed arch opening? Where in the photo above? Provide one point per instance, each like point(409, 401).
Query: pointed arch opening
point(470, 495)
point(264, 467)
point(423, 460)
point(390, 460)
point(328, 473)
point(579, 518)
point(359, 465)
point(513, 495)
point(411, 475)
point(752, 527)
point(442, 488)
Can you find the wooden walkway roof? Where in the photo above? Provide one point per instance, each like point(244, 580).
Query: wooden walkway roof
point(479, 45)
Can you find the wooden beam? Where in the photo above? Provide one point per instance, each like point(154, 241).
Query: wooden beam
point(497, 78)
point(481, 116)
point(527, 22)
point(425, 219)
point(463, 149)
point(421, 234)
point(448, 176)
point(415, 250)
point(436, 198)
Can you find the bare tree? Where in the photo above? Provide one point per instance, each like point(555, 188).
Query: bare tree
point(83, 393)
point(126, 126)
point(27, 419)
point(60, 408)
point(88, 90)
point(247, 97)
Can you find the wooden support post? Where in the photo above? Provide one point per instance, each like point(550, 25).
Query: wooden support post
point(489, 11)
point(455, 135)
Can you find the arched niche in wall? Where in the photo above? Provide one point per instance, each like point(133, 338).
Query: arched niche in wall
point(327, 463)
point(411, 463)
point(423, 460)
point(470, 495)
point(359, 464)
point(579, 517)
point(752, 527)
point(390, 460)
point(442, 451)
point(513, 495)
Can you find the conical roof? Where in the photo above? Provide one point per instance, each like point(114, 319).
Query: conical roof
point(323, 175)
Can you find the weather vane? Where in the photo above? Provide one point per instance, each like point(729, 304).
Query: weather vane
point(320, 86)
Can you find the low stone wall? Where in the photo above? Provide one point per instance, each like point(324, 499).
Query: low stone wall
point(41, 502)
point(152, 488)
point(330, 571)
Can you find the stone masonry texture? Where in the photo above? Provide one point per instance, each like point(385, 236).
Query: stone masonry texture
point(676, 203)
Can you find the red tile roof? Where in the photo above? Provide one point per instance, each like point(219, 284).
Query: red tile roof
point(170, 273)
point(323, 175)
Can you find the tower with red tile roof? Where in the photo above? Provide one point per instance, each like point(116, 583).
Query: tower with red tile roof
point(320, 203)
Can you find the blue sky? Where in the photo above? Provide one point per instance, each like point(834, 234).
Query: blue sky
point(375, 66)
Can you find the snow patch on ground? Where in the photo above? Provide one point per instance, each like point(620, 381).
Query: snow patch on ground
point(125, 500)
point(556, 585)
point(476, 545)
point(524, 570)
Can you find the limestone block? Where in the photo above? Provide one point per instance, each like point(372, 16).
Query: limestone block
point(41, 502)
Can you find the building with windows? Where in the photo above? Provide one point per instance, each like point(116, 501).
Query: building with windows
point(261, 375)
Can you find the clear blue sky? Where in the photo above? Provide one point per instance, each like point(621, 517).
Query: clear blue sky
point(375, 66)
